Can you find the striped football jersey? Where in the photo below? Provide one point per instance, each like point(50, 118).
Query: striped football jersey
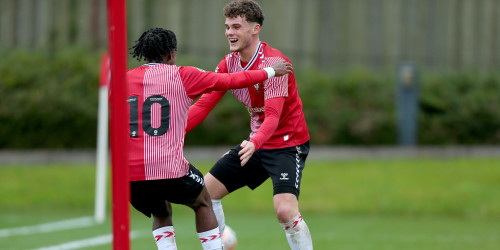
point(159, 97)
point(292, 128)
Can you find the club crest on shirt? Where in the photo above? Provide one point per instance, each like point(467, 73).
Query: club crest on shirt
point(257, 87)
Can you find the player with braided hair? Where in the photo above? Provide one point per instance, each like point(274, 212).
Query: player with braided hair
point(154, 44)
point(159, 95)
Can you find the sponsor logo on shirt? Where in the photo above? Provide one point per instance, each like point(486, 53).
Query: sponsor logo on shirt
point(256, 109)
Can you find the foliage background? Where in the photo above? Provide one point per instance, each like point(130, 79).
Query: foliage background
point(49, 100)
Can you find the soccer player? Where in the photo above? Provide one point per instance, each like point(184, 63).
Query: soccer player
point(159, 96)
point(279, 140)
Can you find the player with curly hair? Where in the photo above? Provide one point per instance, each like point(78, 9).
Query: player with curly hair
point(278, 144)
point(159, 96)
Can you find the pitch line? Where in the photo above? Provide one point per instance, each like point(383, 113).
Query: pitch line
point(95, 241)
point(48, 227)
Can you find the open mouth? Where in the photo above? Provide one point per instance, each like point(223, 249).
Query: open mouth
point(233, 40)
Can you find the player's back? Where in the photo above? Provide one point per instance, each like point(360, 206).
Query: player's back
point(158, 106)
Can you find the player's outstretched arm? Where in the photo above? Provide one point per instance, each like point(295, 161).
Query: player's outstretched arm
point(198, 82)
point(245, 79)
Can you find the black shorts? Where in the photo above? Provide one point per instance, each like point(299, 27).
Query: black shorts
point(283, 165)
point(149, 197)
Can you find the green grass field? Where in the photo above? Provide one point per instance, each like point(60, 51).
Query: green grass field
point(347, 204)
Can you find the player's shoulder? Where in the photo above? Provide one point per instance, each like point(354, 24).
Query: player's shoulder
point(191, 68)
point(227, 60)
point(231, 56)
point(272, 52)
point(136, 70)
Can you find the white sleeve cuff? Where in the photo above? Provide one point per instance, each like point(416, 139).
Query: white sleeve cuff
point(270, 72)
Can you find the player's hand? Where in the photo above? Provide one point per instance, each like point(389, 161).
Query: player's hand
point(282, 67)
point(248, 148)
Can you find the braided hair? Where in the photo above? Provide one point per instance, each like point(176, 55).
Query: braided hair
point(154, 44)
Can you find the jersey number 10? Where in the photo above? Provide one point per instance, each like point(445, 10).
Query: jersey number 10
point(146, 115)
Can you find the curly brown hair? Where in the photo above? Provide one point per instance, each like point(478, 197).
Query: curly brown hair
point(245, 8)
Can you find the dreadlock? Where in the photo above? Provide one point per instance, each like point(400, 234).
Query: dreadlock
point(154, 44)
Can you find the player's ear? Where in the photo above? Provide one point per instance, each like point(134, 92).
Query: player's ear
point(256, 28)
point(173, 54)
point(170, 58)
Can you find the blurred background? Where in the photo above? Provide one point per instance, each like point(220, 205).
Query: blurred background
point(347, 56)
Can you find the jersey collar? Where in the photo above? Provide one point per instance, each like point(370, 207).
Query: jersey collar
point(254, 57)
point(151, 64)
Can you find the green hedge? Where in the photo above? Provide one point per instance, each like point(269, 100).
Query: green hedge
point(50, 101)
point(460, 109)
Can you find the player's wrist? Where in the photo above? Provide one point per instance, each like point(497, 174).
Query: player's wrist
point(270, 72)
point(255, 145)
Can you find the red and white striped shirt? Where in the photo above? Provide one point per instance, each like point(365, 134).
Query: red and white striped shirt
point(159, 96)
point(288, 127)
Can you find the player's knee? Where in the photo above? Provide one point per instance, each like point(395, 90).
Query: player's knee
point(286, 213)
point(286, 207)
point(203, 200)
point(162, 213)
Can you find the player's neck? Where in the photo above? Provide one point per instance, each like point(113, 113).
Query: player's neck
point(247, 54)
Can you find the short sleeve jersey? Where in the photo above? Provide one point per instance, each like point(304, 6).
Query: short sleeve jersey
point(292, 128)
point(159, 96)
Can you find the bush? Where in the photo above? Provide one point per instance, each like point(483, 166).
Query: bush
point(353, 107)
point(460, 109)
point(50, 101)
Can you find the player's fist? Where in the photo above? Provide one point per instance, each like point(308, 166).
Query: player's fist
point(282, 67)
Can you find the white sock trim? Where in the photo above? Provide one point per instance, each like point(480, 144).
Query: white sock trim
point(297, 234)
point(211, 239)
point(293, 225)
point(165, 237)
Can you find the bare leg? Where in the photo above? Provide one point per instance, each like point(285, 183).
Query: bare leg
point(163, 230)
point(205, 217)
point(286, 206)
point(297, 233)
point(206, 222)
point(215, 188)
point(163, 221)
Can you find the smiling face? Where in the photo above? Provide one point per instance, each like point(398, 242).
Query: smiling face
point(243, 36)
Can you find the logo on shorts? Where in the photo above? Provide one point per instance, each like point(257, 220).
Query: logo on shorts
point(284, 177)
point(196, 177)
